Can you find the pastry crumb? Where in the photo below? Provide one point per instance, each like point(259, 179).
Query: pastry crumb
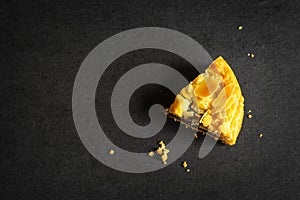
point(162, 144)
point(151, 153)
point(260, 135)
point(188, 170)
point(164, 158)
point(240, 28)
point(166, 151)
point(249, 116)
point(161, 150)
point(195, 135)
point(184, 164)
point(111, 152)
point(249, 111)
point(250, 55)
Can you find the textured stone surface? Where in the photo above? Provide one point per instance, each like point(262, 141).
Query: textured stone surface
point(42, 46)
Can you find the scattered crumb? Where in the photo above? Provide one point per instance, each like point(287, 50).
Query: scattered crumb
point(195, 135)
point(161, 150)
point(111, 152)
point(249, 116)
point(240, 28)
point(164, 158)
point(250, 55)
point(166, 151)
point(260, 135)
point(184, 164)
point(162, 144)
point(188, 170)
point(249, 111)
point(151, 153)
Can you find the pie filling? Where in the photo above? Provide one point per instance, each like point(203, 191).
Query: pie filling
point(212, 103)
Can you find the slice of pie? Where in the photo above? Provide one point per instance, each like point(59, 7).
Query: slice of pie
point(212, 103)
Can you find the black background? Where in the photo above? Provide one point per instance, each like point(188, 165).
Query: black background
point(43, 44)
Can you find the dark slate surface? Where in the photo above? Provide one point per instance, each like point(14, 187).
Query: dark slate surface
point(42, 46)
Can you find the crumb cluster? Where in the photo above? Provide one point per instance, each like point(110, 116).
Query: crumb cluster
point(162, 151)
point(184, 165)
point(250, 55)
point(249, 115)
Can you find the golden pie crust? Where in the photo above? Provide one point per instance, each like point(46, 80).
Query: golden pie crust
point(212, 103)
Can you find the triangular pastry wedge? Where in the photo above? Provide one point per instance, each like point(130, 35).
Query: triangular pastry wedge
point(212, 103)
